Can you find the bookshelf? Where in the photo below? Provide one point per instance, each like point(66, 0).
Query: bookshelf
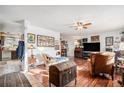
point(64, 47)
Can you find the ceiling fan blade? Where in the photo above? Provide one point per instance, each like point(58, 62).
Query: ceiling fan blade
point(85, 27)
point(87, 24)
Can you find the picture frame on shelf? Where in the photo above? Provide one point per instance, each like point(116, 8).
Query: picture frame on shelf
point(109, 41)
point(64, 44)
point(31, 38)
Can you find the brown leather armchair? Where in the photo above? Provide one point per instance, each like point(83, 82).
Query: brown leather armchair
point(102, 63)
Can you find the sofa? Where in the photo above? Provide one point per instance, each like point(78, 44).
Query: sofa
point(102, 62)
point(48, 60)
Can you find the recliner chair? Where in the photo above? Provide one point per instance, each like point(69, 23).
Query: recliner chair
point(102, 63)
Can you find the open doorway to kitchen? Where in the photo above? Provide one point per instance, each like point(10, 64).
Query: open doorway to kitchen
point(10, 36)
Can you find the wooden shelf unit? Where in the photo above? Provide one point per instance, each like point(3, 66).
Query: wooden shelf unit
point(64, 52)
point(64, 47)
point(78, 53)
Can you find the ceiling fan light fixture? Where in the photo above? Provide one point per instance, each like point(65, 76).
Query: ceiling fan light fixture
point(79, 26)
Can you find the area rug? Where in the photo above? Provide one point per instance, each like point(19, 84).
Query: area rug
point(15, 79)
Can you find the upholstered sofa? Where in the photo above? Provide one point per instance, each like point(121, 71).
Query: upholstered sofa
point(102, 62)
point(48, 60)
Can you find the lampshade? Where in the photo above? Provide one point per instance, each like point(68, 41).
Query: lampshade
point(121, 46)
point(31, 47)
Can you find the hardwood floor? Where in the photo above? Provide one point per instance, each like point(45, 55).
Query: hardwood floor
point(38, 77)
point(84, 78)
point(10, 75)
point(9, 67)
point(15, 79)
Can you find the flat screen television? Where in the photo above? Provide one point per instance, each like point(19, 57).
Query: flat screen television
point(91, 46)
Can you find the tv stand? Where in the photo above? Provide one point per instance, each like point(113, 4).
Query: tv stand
point(86, 54)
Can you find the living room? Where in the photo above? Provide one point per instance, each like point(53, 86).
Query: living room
point(69, 39)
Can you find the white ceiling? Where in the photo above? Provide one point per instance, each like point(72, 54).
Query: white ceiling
point(59, 18)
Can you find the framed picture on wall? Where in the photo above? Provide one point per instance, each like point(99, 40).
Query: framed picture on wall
point(85, 40)
point(45, 41)
point(117, 40)
point(95, 38)
point(31, 38)
point(109, 41)
point(122, 38)
point(57, 45)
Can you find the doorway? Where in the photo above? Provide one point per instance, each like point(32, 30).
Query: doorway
point(9, 61)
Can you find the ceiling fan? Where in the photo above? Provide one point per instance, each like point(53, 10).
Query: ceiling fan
point(81, 25)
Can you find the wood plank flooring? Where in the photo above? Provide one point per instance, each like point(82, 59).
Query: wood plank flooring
point(84, 78)
point(10, 75)
point(39, 77)
point(9, 66)
point(15, 79)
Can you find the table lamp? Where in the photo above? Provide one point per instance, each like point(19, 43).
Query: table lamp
point(31, 47)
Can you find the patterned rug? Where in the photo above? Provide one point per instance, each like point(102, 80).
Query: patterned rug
point(15, 79)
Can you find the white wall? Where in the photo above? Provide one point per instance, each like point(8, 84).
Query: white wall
point(11, 27)
point(29, 28)
point(102, 35)
point(70, 40)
